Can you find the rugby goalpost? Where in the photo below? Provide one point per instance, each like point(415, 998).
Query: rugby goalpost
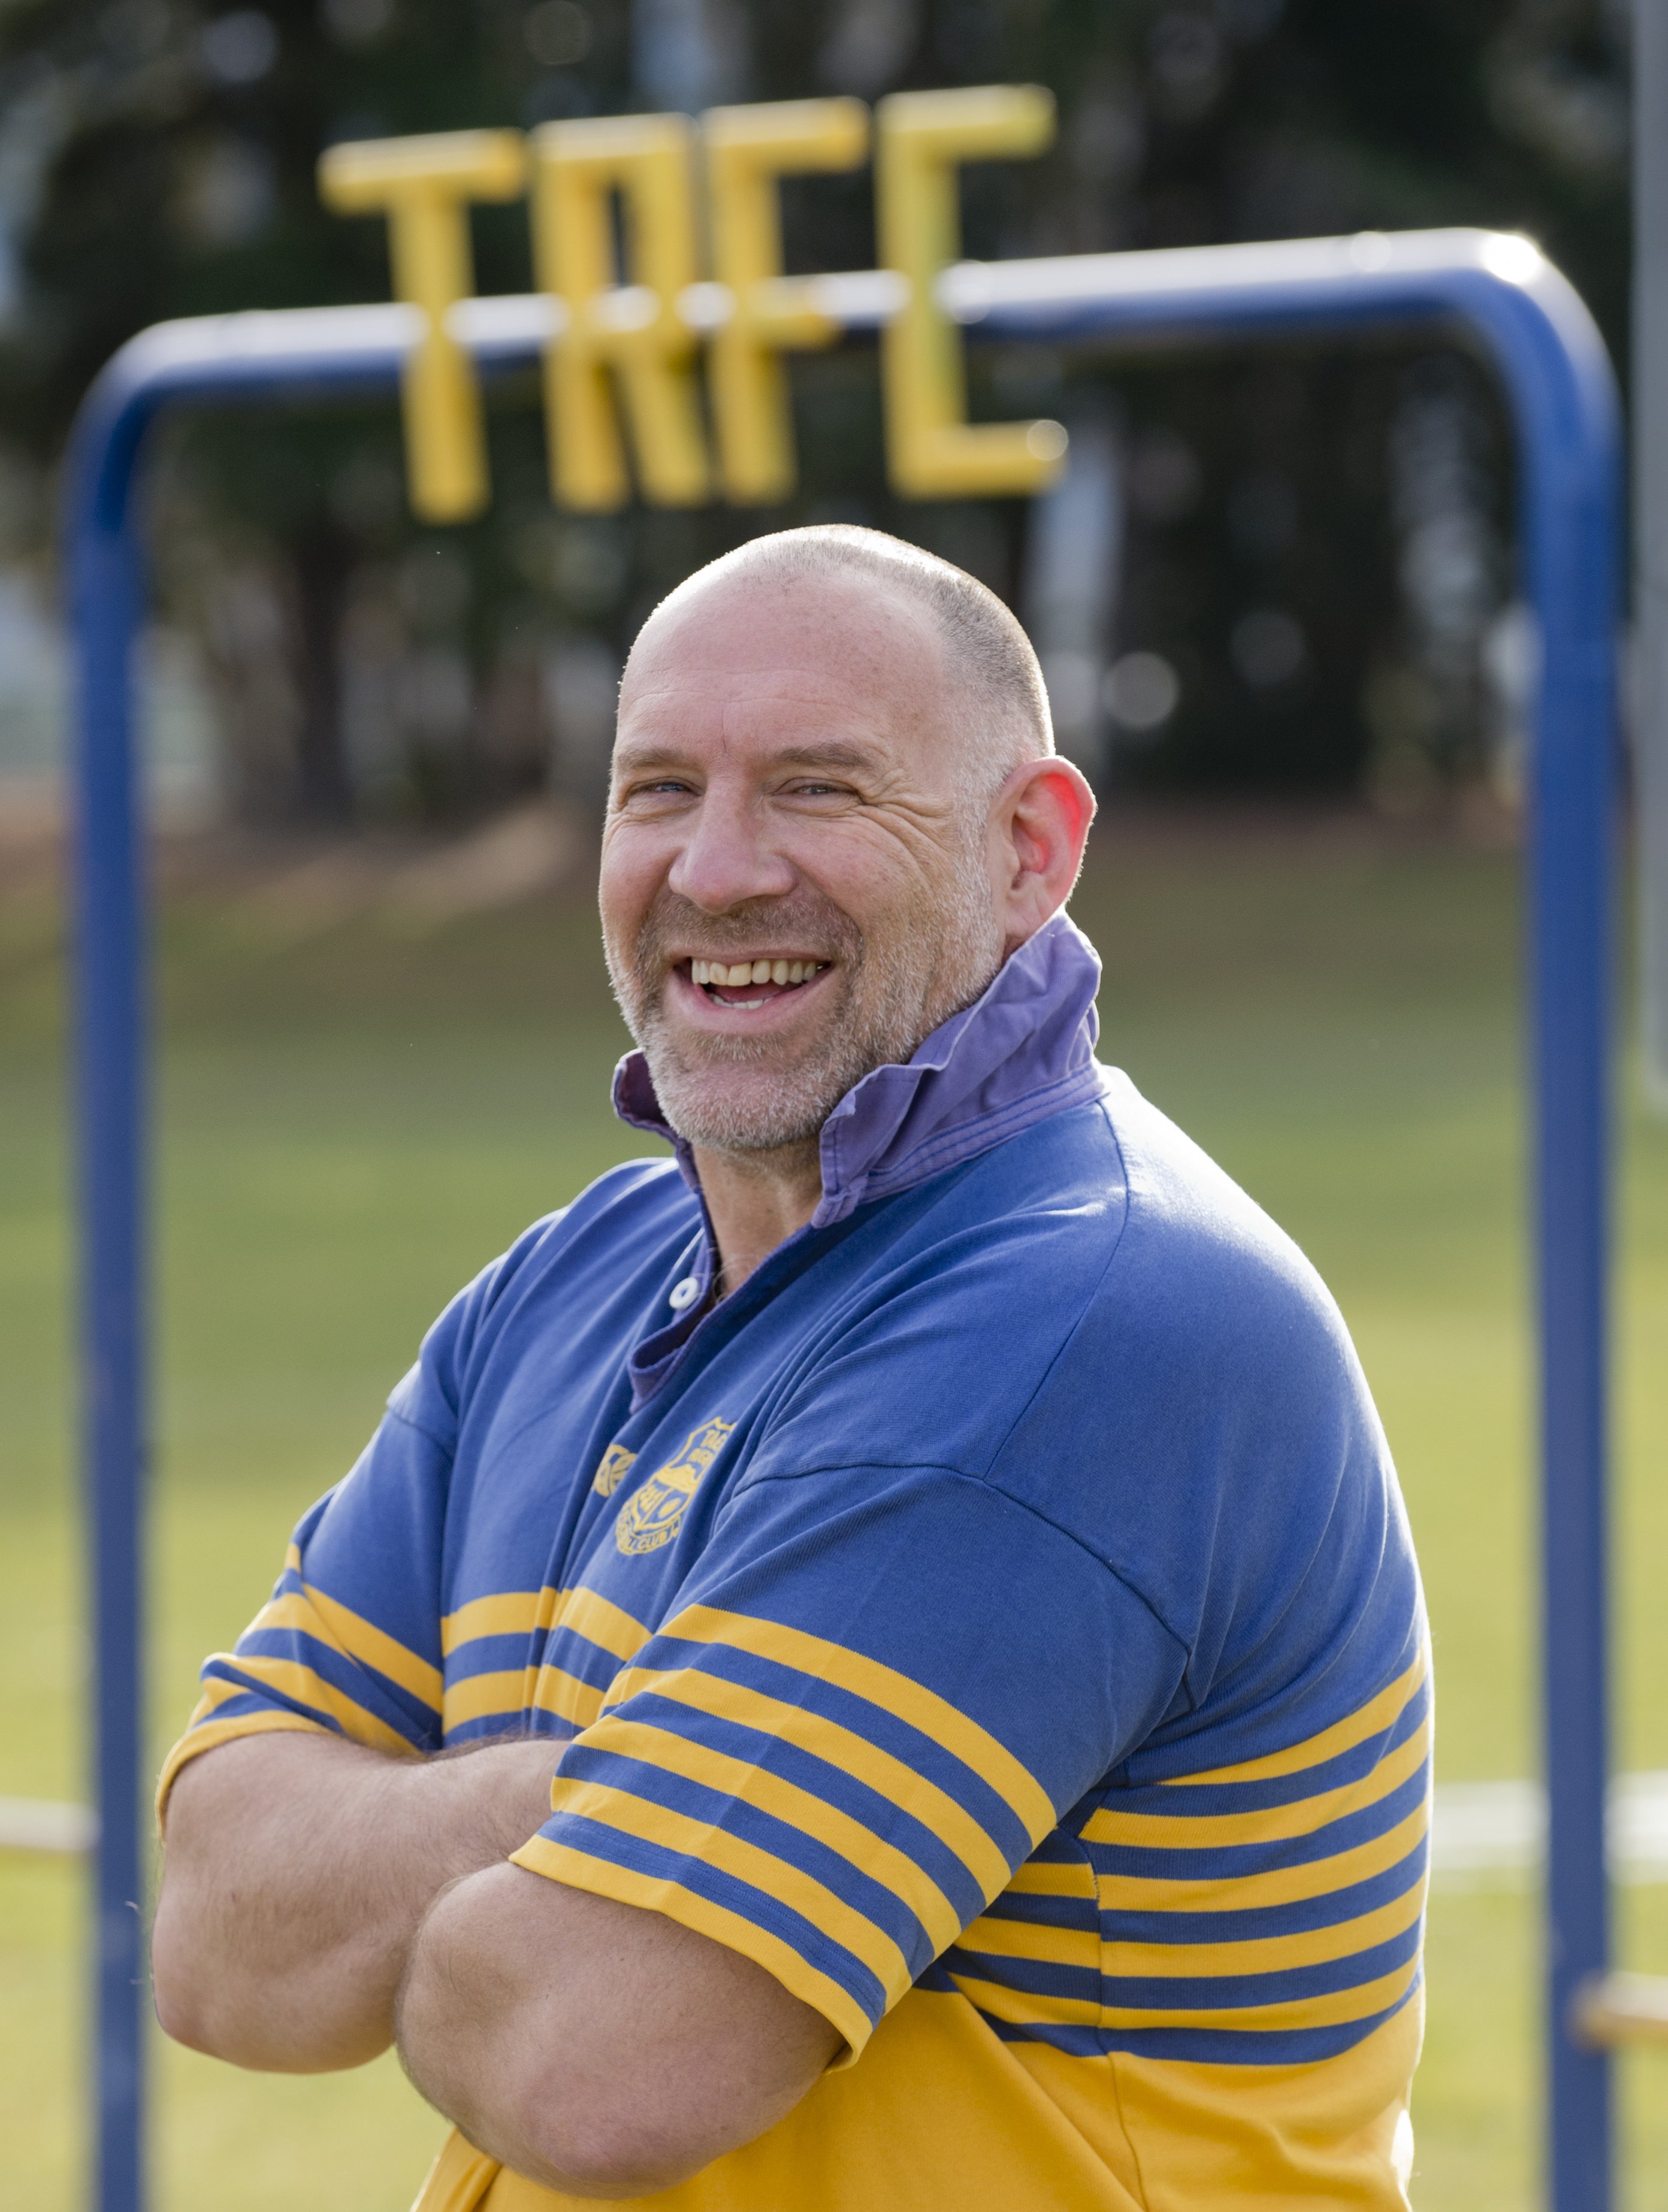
point(1496, 290)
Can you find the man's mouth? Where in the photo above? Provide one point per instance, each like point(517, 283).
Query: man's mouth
point(743, 984)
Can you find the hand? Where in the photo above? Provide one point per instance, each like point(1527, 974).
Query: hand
point(509, 1780)
point(298, 1867)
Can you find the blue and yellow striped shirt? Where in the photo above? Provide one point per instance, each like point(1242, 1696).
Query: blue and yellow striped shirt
point(997, 1619)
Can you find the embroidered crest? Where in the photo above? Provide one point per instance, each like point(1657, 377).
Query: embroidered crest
point(611, 1470)
point(651, 1517)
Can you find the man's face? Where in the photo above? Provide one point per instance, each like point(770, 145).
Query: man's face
point(786, 792)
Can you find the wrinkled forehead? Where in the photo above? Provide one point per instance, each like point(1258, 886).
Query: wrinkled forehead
point(747, 661)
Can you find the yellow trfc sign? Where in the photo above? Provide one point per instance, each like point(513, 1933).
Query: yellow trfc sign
point(625, 343)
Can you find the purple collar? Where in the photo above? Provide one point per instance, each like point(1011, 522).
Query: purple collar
point(1021, 1052)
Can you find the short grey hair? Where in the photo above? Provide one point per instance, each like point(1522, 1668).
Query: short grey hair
point(986, 651)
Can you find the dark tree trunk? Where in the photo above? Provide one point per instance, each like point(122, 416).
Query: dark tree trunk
point(324, 784)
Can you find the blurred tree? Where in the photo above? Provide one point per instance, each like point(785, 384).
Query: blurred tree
point(1306, 527)
point(160, 161)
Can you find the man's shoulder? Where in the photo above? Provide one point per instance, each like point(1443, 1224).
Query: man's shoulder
point(1205, 1427)
point(1098, 1275)
point(1181, 1315)
point(1113, 1206)
point(1200, 1261)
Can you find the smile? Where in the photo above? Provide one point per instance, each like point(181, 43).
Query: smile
point(744, 984)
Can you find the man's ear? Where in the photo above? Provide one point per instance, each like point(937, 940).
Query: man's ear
point(1040, 826)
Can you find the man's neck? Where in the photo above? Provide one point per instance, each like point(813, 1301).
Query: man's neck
point(756, 1200)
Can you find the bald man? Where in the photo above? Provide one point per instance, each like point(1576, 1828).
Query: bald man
point(874, 1665)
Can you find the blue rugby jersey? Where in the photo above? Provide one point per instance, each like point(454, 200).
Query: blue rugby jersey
point(997, 1618)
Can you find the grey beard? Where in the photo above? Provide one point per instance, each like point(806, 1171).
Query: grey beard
point(893, 999)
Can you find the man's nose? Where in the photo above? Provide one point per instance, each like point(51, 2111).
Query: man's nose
point(726, 857)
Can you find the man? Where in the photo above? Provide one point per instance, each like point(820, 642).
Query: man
point(919, 1579)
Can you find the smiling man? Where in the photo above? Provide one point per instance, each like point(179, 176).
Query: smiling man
point(877, 1663)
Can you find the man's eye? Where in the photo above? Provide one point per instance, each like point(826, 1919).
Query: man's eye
point(665, 787)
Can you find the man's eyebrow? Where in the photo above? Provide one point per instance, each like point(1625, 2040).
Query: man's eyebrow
point(635, 756)
point(830, 752)
point(648, 752)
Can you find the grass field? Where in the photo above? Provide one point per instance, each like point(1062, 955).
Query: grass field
point(353, 1117)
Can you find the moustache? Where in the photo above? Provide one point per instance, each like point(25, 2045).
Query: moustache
point(814, 927)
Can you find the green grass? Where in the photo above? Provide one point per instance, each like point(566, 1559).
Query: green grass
point(353, 1120)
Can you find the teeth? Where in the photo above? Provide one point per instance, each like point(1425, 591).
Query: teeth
point(728, 976)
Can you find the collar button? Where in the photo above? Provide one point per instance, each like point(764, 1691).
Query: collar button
point(684, 1294)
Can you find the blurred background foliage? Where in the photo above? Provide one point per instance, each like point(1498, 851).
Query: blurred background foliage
point(1284, 571)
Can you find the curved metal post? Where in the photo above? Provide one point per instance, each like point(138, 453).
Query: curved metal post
point(1554, 371)
point(107, 605)
point(1563, 392)
point(110, 1043)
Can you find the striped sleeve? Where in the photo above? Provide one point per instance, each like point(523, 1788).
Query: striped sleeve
point(1270, 1912)
point(1267, 1912)
point(349, 1644)
point(863, 1716)
point(351, 1641)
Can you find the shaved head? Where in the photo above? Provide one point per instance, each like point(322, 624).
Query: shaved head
point(989, 666)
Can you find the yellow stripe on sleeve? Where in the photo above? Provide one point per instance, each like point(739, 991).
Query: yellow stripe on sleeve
point(1245, 1893)
point(555, 1691)
point(1335, 2010)
point(901, 1785)
point(797, 1808)
point(1032, 1940)
point(1053, 1878)
point(1370, 1720)
point(308, 1612)
point(217, 1690)
point(296, 1681)
point(493, 1696)
point(601, 1623)
point(748, 1862)
point(1023, 2008)
point(1270, 1824)
point(936, 1718)
point(1268, 1955)
point(502, 1692)
point(373, 1647)
point(519, 1612)
point(509, 1612)
point(604, 1878)
point(308, 1689)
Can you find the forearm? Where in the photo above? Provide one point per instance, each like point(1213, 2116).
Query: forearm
point(298, 1870)
point(597, 2048)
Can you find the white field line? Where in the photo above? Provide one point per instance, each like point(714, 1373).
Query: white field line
point(1483, 1831)
point(36, 1824)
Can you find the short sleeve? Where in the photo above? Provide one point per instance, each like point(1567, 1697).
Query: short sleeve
point(877, 1693)
point(349, 1643)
